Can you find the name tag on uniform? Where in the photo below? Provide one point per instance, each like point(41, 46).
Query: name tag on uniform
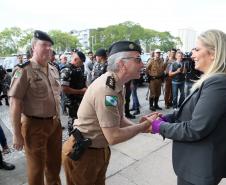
point(111, 101)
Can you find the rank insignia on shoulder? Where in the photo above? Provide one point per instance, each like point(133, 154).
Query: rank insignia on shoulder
point(17, 74)
point(111, 101)
point(110, 82)
point(23, 64)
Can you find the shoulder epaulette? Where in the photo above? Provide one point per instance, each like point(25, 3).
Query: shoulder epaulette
point(23, 64)
point(111, 82)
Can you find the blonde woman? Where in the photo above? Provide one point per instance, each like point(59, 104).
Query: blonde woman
point(198, 129)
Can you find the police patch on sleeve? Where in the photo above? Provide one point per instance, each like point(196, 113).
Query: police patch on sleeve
point(111, 101)
point(17, 74)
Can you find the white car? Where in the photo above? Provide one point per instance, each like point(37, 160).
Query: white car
point(9, 63)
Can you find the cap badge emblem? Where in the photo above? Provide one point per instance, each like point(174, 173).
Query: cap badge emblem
point(131, 46)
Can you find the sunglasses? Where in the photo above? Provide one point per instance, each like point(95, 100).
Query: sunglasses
point(136, 59)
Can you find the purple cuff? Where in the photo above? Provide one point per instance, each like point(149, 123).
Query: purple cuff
point(164, 118)
point(156, 125)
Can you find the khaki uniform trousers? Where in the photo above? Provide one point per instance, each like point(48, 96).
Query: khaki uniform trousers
point(168, 92)
point(90, 169)
point(155, 88)
point(43, 145)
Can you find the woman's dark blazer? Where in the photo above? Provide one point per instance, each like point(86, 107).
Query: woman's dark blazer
point(198, 131)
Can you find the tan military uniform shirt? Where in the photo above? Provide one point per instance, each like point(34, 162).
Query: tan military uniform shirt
point(155, 67)
point(101, 106)
point(39, 92)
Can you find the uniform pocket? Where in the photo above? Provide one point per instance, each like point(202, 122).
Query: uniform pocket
point(39, 89)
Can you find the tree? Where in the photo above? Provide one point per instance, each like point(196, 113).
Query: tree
point(26, 37)
point(149, 39)
point(9, 39)
point(13, 40)
point(104, 37)
point(63, 41)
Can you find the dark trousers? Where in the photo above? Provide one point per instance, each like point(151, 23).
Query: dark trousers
point(187, 88)
point(72, 115)
point(2, 138)
point(176, 88)
point(1, 159)
point(181, 181)
point(136, 103)
point(168, 92)
point(127, 97)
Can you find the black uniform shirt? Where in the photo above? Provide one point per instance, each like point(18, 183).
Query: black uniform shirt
point(73, 77)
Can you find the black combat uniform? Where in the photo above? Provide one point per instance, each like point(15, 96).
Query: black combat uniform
point(98, 70)
point(2, 84)
point(72, 77)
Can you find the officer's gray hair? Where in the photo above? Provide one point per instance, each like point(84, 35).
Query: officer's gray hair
point(33, 41)
point(114, 59)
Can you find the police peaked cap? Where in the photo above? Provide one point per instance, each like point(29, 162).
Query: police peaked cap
point(42, 36)
point(101, 52)
point(81, 56)
point(122, 46)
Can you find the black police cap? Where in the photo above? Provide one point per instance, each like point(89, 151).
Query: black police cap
point(101, 52)
point(81, 56)
point(122, 46)
point(38, 34)
point(74, 50)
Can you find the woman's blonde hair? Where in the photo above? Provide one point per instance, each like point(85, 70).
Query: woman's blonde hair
point(215, 42)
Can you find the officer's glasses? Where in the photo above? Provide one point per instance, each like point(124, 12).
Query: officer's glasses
point(136, 59)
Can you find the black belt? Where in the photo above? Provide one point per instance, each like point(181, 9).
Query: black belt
point(92, 148)
point(42, 118)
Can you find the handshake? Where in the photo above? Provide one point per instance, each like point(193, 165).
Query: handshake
point(154, 120)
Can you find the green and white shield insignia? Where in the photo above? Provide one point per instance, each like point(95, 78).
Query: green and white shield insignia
point(17, 74)
point(111, 101)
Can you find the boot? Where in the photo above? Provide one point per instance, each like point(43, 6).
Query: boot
point(151, 104)
point(156, 104)
point(137, 111)
point(6, 166)
point(6, 101)
point(130, 116)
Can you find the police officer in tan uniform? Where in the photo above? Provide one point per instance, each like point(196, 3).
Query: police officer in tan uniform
point(155, 70)
point(101, 117)
point(168, 97)
point(34, 110)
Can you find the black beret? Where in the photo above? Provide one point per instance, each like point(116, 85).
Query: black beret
point(42, 36)
point(81, 56)
point(122, 46)
point(101, 52)
point(74, 50)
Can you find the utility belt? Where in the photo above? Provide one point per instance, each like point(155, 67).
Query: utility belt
point(80, 145)
point(155, 77)
point(41, 118)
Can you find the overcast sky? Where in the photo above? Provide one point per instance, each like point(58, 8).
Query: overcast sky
point(160, 15)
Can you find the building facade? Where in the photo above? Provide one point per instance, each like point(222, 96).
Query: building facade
point(83, 37)
point(188, 38)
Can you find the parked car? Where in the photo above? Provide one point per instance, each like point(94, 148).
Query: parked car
point(9, 63)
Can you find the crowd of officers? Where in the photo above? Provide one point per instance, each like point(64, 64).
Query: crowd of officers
point(174, 74)
point(36, 89)
point(35, 81)
point(167, 76)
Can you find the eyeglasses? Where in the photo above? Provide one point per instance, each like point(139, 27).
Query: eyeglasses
point(136, 59)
